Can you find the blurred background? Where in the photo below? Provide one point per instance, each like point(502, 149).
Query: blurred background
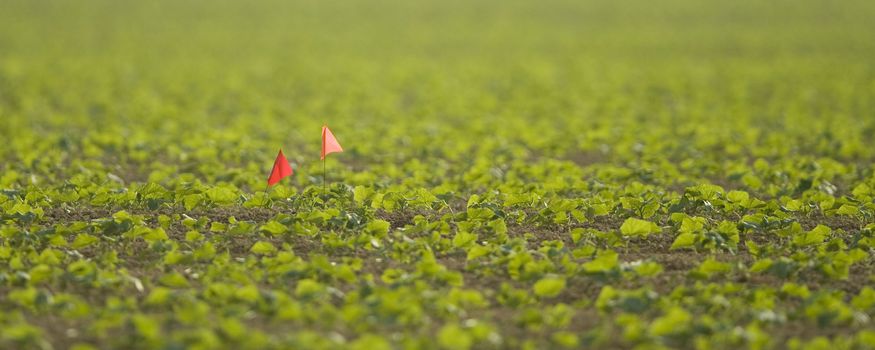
point(254, 74)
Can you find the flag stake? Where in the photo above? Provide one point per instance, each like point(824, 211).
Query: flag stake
point(329, 145)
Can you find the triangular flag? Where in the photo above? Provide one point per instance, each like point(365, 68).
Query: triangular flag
point(281, 169)
point(329, 143)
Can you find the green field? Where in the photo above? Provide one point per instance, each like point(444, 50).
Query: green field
point(517, 174)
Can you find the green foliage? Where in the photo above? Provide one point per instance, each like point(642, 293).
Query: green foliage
point(710, 268)
point(83, 240)
point(605, 262)
point(813, 237)
point(221, 195)
point(464, 239)
point(451, 336)
point(638, 227)
point(864, 301)
point(684, 240)
point(549, 287)
point(848, 209)
point(263, 248)
point(173, 280)
point(675, 321)
point(536, 175)
point(274, 228)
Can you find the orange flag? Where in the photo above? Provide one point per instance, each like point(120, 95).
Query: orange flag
point(281, 169)
point(329, 143)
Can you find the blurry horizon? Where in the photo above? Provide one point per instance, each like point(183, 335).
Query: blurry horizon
point(205, 65)
point(433, 30)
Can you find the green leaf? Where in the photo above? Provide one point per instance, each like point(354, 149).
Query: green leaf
point(83, 240)
point(222, 195)
point(193, 236)
point(847, 209)
point(600, 209)
point(793, 205)
point(827, 203)
point(473, 200)
point(862, 191)
point(709, 268)
point(638, 227)
point(499, 226)
point(40, 273)
point(24, 297)
point(370, 342)
point(174, 257)
point(263, 248)
point(605, 261)
point(549, 287)
point(361, 194)
point(649, 209)
point(606, 296)
point(865, 301)
point(22, 333)
point(248, 293)
point(816, 236)
point(282, 192)
point(121, 216)
point(274, 227)
point(258, 200)
point(452, 337)
point(464, 239)
point(477, 251)
point(146, 327)
point(234, 329)
point(565, 339)
point(684, 240)
point(692, 225)
point(50, 257)
point(378, 228)
point(761, 265)
point(706, 191)
point(154, 235)
point(739, 197)
point(205, 252)
point(173, 280)
point(191, 201)
point(152, 190)
point(648, 269)
point(676, 320)
point(480, 214)
point(308, 288)
point(796, 290)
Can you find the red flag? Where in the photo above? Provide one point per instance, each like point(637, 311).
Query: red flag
point(281, 169)
point(329, 143)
